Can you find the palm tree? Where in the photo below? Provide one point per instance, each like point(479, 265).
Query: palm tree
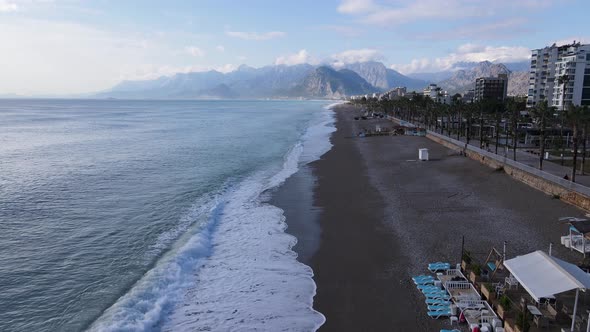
point(562, 80)
point(469, 110)
point(576, 117)
point(458, 107)
point(542, 114)
point(498, 110)
point(485, 107)
point(513, 112)
point(584, 125)
point(480, 108)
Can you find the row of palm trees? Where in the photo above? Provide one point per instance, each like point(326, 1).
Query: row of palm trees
point(491, 118)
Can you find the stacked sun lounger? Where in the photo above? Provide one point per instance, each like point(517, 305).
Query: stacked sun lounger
point(437, 299)
point(438, 266)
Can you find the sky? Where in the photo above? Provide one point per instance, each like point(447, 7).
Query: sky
point(60, 47)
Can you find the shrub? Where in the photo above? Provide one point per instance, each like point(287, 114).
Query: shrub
point(476, 269)
point(522, 322)
point(505, 302)
point(467, 257)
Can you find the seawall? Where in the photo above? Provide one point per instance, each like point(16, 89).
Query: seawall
point(566, 190)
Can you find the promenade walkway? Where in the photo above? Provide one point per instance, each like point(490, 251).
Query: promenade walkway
point(529, 159)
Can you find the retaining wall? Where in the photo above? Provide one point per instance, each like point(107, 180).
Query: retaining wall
point(567, 191)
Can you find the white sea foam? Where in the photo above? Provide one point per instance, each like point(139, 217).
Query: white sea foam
point(142, 308)
point(236, 272)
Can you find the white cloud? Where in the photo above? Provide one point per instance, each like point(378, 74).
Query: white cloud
point(220, 48)
point(44, 57)
point(226, 68)
point(7, 6)
point(195, 51)
point(353, 56)
point(356, 6)
point(295, 59)
point(254, 35)
point(466, 53)
point(400, 12)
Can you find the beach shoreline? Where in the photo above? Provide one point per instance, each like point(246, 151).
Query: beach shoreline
point(383, 216)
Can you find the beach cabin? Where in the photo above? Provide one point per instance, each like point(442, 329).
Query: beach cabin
point(544, 278)
point(578, 237)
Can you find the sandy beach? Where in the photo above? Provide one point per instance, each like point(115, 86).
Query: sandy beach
point(377, 216)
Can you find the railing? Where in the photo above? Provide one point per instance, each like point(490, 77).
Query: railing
point(455, 272)
point(458, 285)
point(472, 304)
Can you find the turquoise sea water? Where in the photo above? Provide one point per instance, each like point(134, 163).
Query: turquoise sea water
point(148, 216)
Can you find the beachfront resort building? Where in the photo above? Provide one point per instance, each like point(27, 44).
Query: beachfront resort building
point(491, 88)
point(560, 75)
point(437, 94)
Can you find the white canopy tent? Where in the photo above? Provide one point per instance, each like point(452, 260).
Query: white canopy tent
point(544, 276)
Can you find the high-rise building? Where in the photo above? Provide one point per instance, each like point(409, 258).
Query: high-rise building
point(491, 88)
point(560, 75)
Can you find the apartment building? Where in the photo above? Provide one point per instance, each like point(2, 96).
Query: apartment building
point(560, 75)
point(491, 88)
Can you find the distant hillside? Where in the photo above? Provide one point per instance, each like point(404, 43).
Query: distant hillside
point(518, 83)
point(384, 78)
point(432, 77)
point(270, 81)
point(246, 82)
point(396, 79)
point(463, 80)
point(325, 82)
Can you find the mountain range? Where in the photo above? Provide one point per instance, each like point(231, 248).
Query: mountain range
point(306, 81)
point(464, 79)
point(301, 80)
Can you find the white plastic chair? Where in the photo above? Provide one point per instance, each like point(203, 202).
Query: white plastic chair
point(511, 281)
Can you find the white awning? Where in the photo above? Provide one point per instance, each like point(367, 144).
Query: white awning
point(545, 276)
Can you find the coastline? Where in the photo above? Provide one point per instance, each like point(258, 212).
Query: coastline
point(383, 216)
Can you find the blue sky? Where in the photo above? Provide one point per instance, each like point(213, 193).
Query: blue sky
point(72, 46)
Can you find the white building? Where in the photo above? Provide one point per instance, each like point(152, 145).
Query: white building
point(435, 93)
point(560, 75)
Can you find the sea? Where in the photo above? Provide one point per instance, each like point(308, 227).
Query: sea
point(153, 215)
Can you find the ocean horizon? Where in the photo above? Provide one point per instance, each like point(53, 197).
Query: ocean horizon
point(146, 215)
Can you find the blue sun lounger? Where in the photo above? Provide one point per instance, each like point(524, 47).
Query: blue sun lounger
point(438, 296)
point(423, 287)
point(439, 313)
point(433, 290)
point(438, 266)
point(422, 278)
point(437, 301)
point(438, 307)
point(424, 282)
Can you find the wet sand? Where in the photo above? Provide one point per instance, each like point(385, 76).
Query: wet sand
point(383, 215)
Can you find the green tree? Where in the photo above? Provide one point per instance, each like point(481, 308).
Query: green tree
point(576, 117)
point(562, 80)
point(543, 114)
point(514, 113)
